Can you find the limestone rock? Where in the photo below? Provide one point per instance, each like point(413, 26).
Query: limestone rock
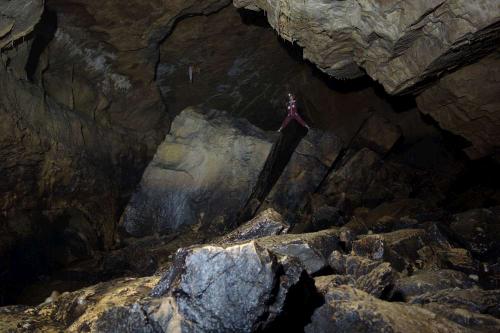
point(429, 282)
point(325, 217)
point(378, 134)
point(188, 182)
point(479, 231)
point(218, 288)
point(397, 43)
point(350, 310)
point(326, 282)
point(18, 19)
point(310, 249)
point(352, 177)
point(465, 102)
point(267, 223)
point(365, 274)
point(308, 166)
point(474, 300)
point(473, 320)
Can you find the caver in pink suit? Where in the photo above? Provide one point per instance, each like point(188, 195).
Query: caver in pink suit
point(292, 113)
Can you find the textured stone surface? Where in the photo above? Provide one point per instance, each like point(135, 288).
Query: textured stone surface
point(204, 172)
point(351, 177)
point(406, 45)
point(466, 103)
point(428, 282)
point(80, 117)
point(479, 231)
point(308, 166)
point(230, 288)
point(364, 274)
point(310, 249)
point(266, 223)
point(350, 310)
point(378, 134)
point(18, 19)
point(474, 300)
point(399, 44)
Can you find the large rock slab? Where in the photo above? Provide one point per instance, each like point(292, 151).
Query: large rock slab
point(474, 299)
point(428, 282)
point(204, 172)
point(308, 166)
point(399, 44)
point(465, 103)
point(267, 223)
point(350, 310)
point(479, 231)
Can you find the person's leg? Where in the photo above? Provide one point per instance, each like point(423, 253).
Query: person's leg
point(301, 121)
point(285, 123)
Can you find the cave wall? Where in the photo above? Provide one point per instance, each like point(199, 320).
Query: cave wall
point(80, 118)
point(466, 102)
point(406, 46)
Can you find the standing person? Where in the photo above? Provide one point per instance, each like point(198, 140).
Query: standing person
point(292, 113)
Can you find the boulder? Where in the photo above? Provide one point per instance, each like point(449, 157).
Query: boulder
point(242, 287)
point(364, 179)
point(326, 282)
point(472, 320)
point(325, 217)
point(310, 249)
point(465, 102)
point(371, 276)
point(394, 245)
point(474, 300)
point(378, 134)
point(188, 182)
point(347, 309)
point(428, 282)
point(266, 223)
point(308, 166)
point(351, 179)
point(479, 231)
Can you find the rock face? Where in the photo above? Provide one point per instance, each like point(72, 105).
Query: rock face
point(200, 286)
point(267, 223)
point(479, 231)
point(204, 172)
point(350, 310)
point(308, 166)
point(399, 44)
point(80, 117)
point(465, 102)
point(18, 20)
point(405, 46)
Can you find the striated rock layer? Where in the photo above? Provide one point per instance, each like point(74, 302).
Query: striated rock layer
point(398, 43)
point(406, 45)
point(466, 102)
